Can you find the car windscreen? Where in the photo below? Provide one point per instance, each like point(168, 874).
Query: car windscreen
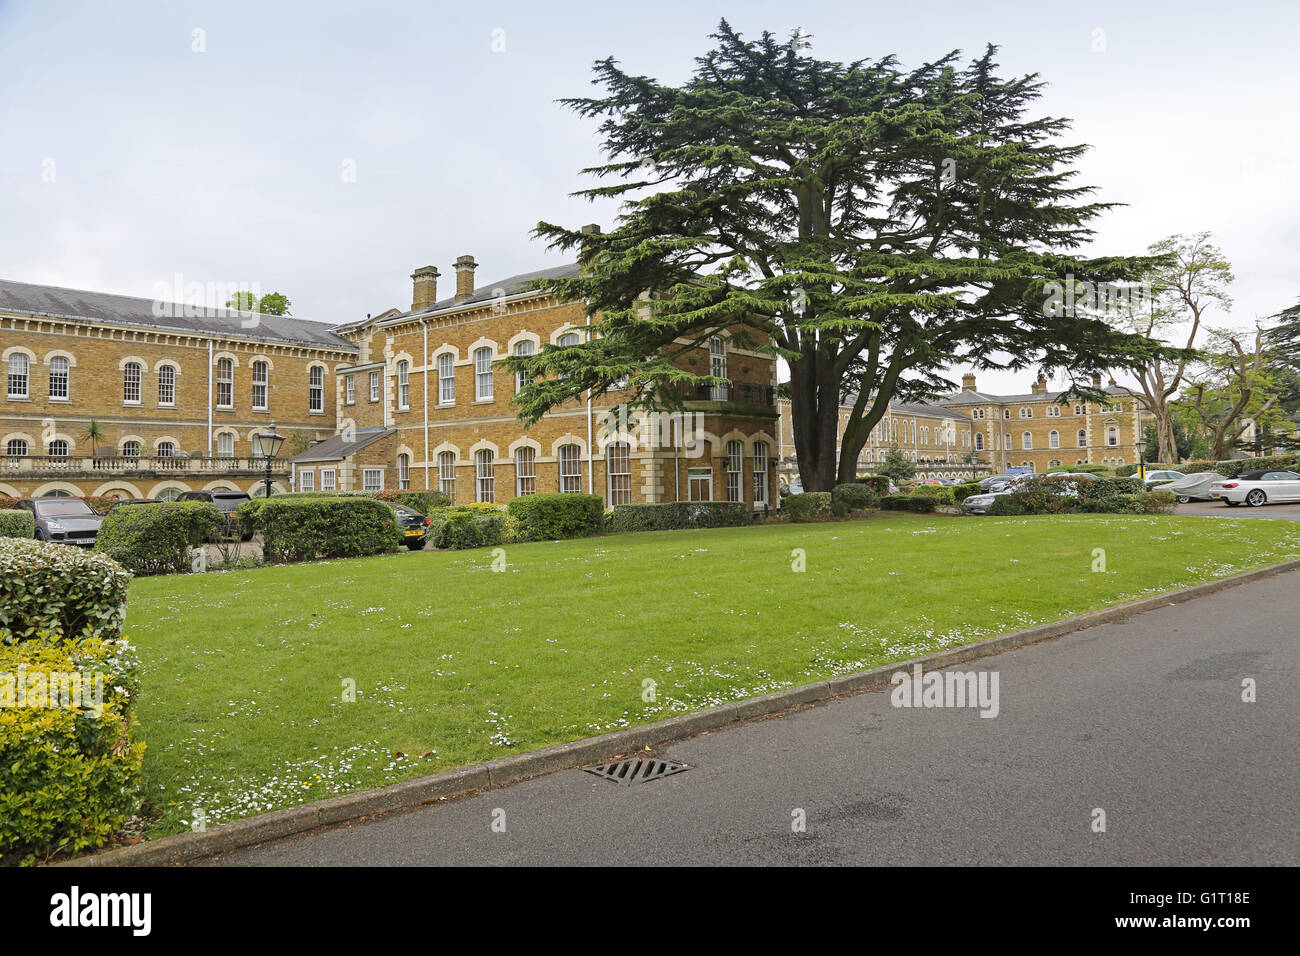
point(64, 508)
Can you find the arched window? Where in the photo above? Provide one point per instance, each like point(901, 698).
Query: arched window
point(131, 374)
point(261, 383)
point(735, 470)
point(1083, 438)
point(225, 445)
point(166, 449)
point(446, 379)
point(166, 385)
point(1112, 435)
point(59, 375)
point(618, 470)
point(58, 448)
point(131, 449)
point(19, 379)
point(718, 368)
point(522, 348)
point(403, 385)
point(168, 494)
point(403, 471)
point(225, 383)
point(525, 469)
point(570, 468)
point(16, 447)
point(567, 339)
point(1053, 439)
point(316, 389)
point(760, 472)
point(447, 474)
point(483, 470)
point(483, 375)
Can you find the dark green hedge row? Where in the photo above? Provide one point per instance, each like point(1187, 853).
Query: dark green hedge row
point(59, 593)
point(675, 515)
point(302, 529)
point(963, 491)
point(467, 526)
point(552, 517)
point(809, 506)
point(908, 503)
point(17, 524)
point(880, 483)
point(157, 538)
point(854, 497)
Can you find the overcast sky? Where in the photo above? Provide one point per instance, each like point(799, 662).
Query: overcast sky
point(326, 149)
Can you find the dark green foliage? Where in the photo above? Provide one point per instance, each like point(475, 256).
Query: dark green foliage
point(467, 527)
point(940, 494)
point(907, 503)
point(157, 538)
point(879, 482)
point(552, 517)
point(59, 593)
point(676, 515)
point(302, 529)
point(854, 496)
point(961, 492)
point(1006, 506)
point(17, 524)
point(810, 506)
point(1048, 495)
point(1157, 502)
point(896, 466)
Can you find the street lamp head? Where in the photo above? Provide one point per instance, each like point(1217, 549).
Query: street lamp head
point(267, 444)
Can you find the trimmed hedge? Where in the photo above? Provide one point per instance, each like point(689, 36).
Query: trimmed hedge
point(809, 506)
point(59, 593)
point(879, 483)
point(303, 529)
point(1157, 502)
point(17, 524)
point(468, 526)
point(963, 491)
point(677, 515)
point(1006, 506)
point(555, 516)
point(942, 494)
point(848, 498)
point(157, 538)
point(901, 502)
point(70, 775)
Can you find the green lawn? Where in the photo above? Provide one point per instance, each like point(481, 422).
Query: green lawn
point(453, 663)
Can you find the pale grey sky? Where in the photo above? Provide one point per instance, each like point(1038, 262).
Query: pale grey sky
point(127, 157)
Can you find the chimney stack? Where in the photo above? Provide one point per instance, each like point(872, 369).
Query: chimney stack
point(968, 382)
point(591, 229)
point(1096, 379)
point(1040, 386)
point(465, 267)
point(424, 287)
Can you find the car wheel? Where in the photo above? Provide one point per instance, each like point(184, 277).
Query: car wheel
point(1256, 498)
point(416, 545)
point(1231, 504)
point(1183, 499)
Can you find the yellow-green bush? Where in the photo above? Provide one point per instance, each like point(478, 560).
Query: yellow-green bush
point(70, 774)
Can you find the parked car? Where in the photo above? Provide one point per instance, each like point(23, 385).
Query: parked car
point(227, 504)
point(1256, 488)
point(1162, 475)
point(996, 482)
point(413, 526)
point(63, 520)
point(1194, 487)
point(923, 481)
point(979, 504)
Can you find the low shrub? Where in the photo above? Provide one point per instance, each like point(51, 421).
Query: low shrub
point(963, 491)
point(59, 592)
point(70, 774)
point(941, 494)
point(902, 502)
point(1157, 502)
point(853, 497)
point(302, 529)
point(1049, 494)
point(1006, 506)
point(880, 483)
point(1102, 489)
point(157, 538)
point(554, 516)
point(17, 524)
point(809, 506)
point(678, 515)
point(468, 527)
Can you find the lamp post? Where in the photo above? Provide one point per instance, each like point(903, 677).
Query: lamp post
point(267, 445)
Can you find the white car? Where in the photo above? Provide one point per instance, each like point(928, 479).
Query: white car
point(1170, 475)
point(1257, 487)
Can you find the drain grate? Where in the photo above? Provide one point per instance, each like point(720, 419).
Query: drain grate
point(637, 769)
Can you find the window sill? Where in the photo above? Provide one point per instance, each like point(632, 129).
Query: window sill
point(166, 405)
point(483, 401)
point(60, 401)
point(133, 404)
point(18, 398)
point(219, 408)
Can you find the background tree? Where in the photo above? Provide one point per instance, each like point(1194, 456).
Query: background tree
point(273, 303)
point(1233, 387)
point(1188, 440)
point(1193, 278)
point(871, 225)
point(93, 433)
point(896, 466)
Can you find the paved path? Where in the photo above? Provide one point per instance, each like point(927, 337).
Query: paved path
point(1143, 719)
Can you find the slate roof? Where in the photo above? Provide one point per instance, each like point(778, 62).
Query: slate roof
point(968, 397)
point(55, 301)
point(338, 447)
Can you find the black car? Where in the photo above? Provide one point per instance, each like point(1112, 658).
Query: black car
point(227, 504)
point(412, 525)
point(63, 520)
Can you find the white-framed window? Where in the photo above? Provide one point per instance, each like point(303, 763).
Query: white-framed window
point(166, 449)
point(166, 385)
point(568, 339)
point(447, 474)
point(316, 389)
point(1006, 440)
point(1112, 435)
point(1006, 413)
point(328, 480)
point(16, 447)
point(485, 478)
point(306, 481)
point(1026, 413)
point(372, 479)
point(1082, 437)
point(570, 469)
point(131, 449)
point(718, 367)
point(225, 383)
point(19, 376)
point(261, 384)
point(699, 484)
point(403, 471)
point(525, 469)
point(521, 378)
point(131, 374)
point(1054, 439)
point(618, 471)
point(350, 389)
point(760, 472)
point(403, 385)
point(1053, 411)
point(59, 375)
point(1054, 463)
point(977, 413)
point(58, 448)
point(225, 445)
point(735, 470)
point(374, 385)
point(1078, 409)
point(979, 441)
point(446, 379)
point(483, 374)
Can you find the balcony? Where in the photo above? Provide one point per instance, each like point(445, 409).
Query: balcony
point(76, 466)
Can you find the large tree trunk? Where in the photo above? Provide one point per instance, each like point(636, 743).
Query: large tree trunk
point(815, 423)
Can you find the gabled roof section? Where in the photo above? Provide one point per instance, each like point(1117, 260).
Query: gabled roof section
point(57, 302)
point(339, 447)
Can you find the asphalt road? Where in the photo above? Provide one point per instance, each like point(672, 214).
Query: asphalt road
point(1217, 509)
point(1143, 719)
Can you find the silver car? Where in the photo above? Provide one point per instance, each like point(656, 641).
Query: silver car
point(63, 520)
